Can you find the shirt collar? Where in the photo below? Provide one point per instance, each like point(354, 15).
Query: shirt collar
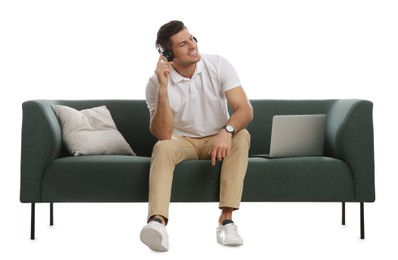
point(176, 77)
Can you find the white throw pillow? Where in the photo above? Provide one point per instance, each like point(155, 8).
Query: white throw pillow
point(91, 131)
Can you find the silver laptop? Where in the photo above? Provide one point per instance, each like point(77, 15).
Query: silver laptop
point(297, 135)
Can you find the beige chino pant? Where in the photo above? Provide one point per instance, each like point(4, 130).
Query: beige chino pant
point(167, 154)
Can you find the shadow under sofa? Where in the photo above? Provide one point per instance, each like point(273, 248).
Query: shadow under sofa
point(345, 172)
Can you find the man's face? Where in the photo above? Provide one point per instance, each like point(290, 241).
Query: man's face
point(185, 48)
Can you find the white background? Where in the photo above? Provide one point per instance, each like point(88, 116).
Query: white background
point(281, 50)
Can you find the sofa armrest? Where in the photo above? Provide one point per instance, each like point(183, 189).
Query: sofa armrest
point(349, 136)
point(41, 142)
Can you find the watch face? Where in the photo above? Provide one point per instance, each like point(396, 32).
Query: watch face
point(229, 128)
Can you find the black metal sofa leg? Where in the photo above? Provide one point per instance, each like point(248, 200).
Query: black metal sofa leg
point(51, 214)
point(362, 217)
point(343, 213)
point(32, 221)
point(362, 213)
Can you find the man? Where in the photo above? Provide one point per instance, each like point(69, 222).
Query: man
point(187, 98)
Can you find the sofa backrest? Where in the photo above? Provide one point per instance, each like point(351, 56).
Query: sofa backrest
point(132, 119)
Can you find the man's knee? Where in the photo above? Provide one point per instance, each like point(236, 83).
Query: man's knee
point(164, 147)
point(242, 139)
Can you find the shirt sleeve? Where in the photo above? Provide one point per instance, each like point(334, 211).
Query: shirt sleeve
point(228, 75)
point(151, 93)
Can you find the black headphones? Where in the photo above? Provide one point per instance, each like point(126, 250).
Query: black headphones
point(169, 54)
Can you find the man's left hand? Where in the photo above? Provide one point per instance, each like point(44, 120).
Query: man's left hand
point(221, 147)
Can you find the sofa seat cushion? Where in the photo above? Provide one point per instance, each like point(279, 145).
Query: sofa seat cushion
point(102, 178)
point(117, 178)
point(312, 179)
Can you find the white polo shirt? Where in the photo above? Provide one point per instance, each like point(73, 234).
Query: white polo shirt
point(198, 104)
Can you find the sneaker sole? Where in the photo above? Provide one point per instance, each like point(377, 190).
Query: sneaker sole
point(232, 243)
point(153, 239)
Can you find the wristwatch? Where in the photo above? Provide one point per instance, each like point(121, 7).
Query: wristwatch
point(230, 129)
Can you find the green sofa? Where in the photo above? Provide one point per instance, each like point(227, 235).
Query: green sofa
point(345, 173)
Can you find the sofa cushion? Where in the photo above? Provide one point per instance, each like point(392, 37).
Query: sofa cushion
point(307, 178)
point(91, 131)
point(104, 178)
point(97, 178)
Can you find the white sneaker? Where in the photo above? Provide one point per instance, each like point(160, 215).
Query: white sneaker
point(228, 235)
point(155, 236)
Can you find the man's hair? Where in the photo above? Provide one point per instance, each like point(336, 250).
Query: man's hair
point(166, 31)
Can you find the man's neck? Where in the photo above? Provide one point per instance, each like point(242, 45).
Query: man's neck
point(185, 71)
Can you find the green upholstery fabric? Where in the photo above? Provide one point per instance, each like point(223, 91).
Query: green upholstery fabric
point(350, 138)
point(298, 179)
point(344, 173)
point(103, 178)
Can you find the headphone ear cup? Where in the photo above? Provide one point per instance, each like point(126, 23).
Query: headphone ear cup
point(169, 55)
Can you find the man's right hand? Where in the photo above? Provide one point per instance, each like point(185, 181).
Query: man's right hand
point(162, 71)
